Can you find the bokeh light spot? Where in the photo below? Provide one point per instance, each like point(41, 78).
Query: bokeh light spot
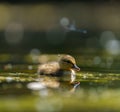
point(9, 79)
point(36, 86)
point(34, 53)
point(113, 47)
point(106, 36)
point(97, 60)
point(64, 21)
point(14, 33)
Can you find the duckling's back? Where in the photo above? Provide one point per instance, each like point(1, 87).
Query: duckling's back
point(49, 69)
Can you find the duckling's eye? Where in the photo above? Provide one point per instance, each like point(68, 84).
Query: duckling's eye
point(67, 61)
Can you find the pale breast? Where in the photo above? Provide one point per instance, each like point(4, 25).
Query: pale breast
point(66, 76)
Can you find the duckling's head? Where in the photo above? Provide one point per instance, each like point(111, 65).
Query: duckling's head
point(68, 62)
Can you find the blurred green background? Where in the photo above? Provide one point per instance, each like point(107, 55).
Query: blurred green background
point(57, 27)
point(90, 31)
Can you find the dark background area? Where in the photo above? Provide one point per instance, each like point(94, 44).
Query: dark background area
point(37, 25)
point(39, 1)
point(88, 30)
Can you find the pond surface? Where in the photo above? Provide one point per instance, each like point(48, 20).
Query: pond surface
point(97, 92)
point(99, 89)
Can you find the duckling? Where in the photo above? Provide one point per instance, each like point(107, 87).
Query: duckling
point(62, 69)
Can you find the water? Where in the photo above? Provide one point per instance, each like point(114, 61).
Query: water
point(97, 92)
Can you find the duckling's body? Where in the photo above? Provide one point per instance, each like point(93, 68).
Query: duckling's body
point(64, 69)
point(49, 69)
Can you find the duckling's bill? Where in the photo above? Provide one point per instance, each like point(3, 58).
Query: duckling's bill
point(75, 67)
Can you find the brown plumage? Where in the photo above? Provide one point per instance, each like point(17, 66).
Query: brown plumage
point(65, 68)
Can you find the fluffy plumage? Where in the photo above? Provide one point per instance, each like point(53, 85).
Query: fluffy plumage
point(64, 69)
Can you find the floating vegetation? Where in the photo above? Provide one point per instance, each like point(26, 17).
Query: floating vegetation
point(17, 77)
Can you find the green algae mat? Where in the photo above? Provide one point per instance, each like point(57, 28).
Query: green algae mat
point(97, 92)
